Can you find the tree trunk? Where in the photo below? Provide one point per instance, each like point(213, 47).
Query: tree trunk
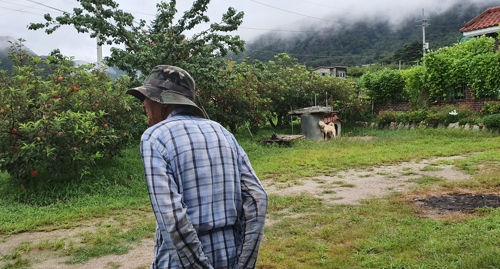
point(232, 127)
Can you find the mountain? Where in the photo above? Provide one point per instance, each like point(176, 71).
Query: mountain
point(112, 71)
point(367, 41)
point(353, 42)
point(6, 43)
point(6, 64)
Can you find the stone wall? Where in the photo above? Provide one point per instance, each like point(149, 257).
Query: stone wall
point(474, 104)
point(408, 126)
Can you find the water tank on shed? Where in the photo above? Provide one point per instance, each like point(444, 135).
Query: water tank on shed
point(309, 120)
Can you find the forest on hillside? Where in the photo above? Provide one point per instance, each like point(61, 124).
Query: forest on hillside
point(369, 41)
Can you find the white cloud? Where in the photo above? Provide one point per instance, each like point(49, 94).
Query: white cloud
point(289, 15)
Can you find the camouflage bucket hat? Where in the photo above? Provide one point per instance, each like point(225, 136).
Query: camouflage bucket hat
point(168, 84)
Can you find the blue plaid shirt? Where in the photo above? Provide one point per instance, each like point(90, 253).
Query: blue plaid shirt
point(209, 205)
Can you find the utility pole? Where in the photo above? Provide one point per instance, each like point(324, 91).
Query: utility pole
point(99, 48)
point(424, 24)
point(99, 54)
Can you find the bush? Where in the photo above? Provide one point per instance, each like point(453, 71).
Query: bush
point(414, 79)
point(57, 119)
point(491, 107)
point(385, 117)
point(384, 86)
point(463, 121)
point(464, 112)
point(449, 114)
point(436, 115)
point(492, 121)
point(417, 116)
point(402, 117)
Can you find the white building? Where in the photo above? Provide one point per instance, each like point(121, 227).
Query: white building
point(336, 71)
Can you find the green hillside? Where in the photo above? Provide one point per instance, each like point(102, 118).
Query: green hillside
point(368, 41)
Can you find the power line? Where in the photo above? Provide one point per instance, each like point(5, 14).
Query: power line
point(295, 12)
point(99, 47)
point(241, 27)
point(275, 30)
point(47, 6)
point(17, 10)
point(23, 6)
point(250, 28)
point(321, 4)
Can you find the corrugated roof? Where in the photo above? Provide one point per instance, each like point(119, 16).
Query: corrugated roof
point(488, 18)
point(329, 67)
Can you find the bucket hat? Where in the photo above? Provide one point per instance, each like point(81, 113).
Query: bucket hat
point(167, 84)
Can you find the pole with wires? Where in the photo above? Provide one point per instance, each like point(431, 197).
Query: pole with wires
point(424, 24)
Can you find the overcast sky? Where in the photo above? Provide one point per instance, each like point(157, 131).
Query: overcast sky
point(261, 16)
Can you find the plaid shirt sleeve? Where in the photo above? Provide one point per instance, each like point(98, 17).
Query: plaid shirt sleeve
point(168, 206)
point(254, 210)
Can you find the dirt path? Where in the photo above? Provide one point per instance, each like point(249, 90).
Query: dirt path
point(352, 186)
point(347, 187)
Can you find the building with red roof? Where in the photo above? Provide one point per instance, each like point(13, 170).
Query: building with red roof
point(487, 23)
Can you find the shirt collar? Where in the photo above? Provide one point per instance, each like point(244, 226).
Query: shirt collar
point(180, 110)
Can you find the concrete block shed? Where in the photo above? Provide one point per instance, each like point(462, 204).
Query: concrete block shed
point(310, 117)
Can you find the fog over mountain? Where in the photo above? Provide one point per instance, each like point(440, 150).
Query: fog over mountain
point(261, 17)
point(6, 43)
point(6, 64)
point(317, 32)
point(369, 40)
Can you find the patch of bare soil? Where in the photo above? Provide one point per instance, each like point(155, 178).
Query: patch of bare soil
point(352, 186)
point(41, 255)
point(139, 257)
point(456, 205)
point(460, 201)
point(345, 187)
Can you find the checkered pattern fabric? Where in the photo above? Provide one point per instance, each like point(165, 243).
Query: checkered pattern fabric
point(209, 205)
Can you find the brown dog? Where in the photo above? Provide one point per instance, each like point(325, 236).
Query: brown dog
point(329, 130)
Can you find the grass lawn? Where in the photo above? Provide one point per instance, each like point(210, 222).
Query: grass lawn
point(306, 232)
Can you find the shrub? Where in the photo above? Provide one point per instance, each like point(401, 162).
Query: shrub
point(57, 119)
point(402, 117)
point(385, 117)
point(464, 112)
point(463, 121)
point(492, 121)
point(417, 116)
point(449, 114)
point(491, 107)
point(384, 86)
point(435, 115)
point(414, 79)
